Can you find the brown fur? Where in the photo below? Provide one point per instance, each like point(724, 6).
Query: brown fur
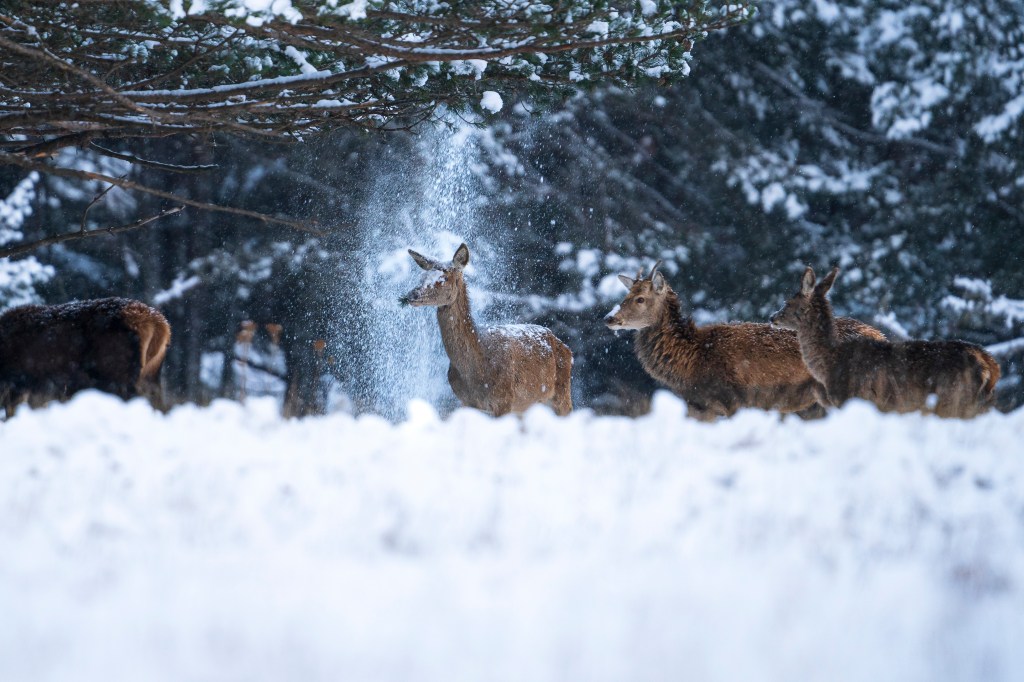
point(495, 369)
point(719, 368)
point(115, 345)
point(947, 378)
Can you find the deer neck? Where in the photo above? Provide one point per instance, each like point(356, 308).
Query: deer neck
point(460, 336)
point(817, 336)
point(671, 323)
point(667, 342)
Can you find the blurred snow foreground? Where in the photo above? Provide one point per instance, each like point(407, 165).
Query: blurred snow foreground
point(227, 544)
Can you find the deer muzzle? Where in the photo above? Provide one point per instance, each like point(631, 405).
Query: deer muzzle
point(612, 319)
point(410, 299)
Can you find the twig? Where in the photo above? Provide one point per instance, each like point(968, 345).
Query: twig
point(95, 200)
point(20, 249)
point(49, 147)
point(152, 164)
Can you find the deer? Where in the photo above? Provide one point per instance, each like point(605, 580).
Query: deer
point(719, 368)
point(501, 369)
point(50, 352)
point(952, 379)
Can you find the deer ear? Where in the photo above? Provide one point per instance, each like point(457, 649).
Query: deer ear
point(461, 257)
point(826, 282)
point(423, 261)
point(807, 282)
point(658, 282)
point(628, 282)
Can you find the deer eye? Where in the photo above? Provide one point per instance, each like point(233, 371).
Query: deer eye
point(640, 299)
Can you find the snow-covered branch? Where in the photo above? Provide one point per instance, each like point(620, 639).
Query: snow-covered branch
point(92, 68)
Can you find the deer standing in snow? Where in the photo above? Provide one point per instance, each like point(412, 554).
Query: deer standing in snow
point(719, 368)
point(947, 378)
point(499, 369)
point(115, 345)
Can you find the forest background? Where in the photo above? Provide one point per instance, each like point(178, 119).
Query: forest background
point(885, 137)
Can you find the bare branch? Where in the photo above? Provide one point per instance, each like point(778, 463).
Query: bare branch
point(152, 164)
point(95, 200)
point(128, 184)
point(50, 147)
point(20, 249)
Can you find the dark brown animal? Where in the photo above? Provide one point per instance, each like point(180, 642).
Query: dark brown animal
point(116, 345)
point(495, 369)
point(947, 378)
point(719, 368)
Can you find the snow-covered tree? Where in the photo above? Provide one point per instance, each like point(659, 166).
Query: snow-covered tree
point(19, 278)
point(882, 136)
point(77, 72)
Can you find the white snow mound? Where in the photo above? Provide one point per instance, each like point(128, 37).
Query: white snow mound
point(226, 543)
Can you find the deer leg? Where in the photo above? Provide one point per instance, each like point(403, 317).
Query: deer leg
point(10, 403)
point(821, 395)
point(816, 411)
point(150, 389)
point(458, 386)
point(562, 400)
point(705, 411)
point(500, 409)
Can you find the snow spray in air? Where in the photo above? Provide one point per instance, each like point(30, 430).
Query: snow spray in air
point(427, 202)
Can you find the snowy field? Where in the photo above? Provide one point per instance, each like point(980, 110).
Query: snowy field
point(226, 544)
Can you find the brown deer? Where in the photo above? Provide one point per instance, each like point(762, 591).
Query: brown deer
point(495, 369)
point(719, 368)
point(947, 378)
point(115, 345)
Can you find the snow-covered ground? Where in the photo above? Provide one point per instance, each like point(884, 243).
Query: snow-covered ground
point(227, 544)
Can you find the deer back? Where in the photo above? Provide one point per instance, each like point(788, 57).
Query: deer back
point(51, 352)
point(949, 378)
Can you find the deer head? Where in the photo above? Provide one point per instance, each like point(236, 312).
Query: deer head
point(442, 282)
point(796, 307)
point(643, 304)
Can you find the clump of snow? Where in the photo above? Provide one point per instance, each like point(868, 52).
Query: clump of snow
point(529, 334)
point(227, 543)
point(179, 287)
point(17, 207)
point(892, 326)
point(353, 10)
point(300, 59)
point(588, 262)
point(991, 127)
point(977, 299)
point(256, 12)
point(610, 288)
point(491, 101)
point(470, 66)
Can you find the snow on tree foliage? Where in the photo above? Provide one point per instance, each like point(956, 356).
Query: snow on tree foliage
point(19, 278)
point(856, 133)
point(291, 67)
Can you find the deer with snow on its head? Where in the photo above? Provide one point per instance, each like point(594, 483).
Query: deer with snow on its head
point(498, 369)
point(947, 378)
point(719, 368)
